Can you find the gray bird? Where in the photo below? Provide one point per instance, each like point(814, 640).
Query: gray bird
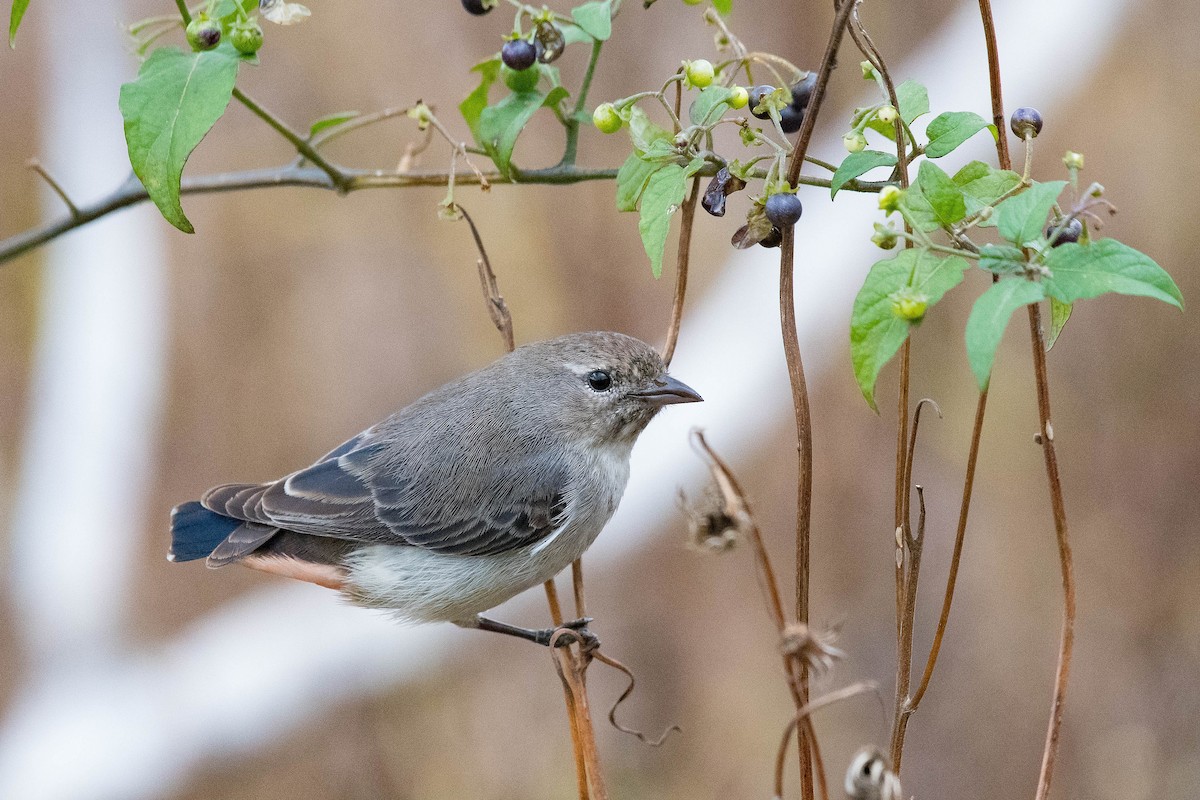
point(481, 489)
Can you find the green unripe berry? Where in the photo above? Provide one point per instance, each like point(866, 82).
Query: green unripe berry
point(203, 33)
point(740, 97)
point(909, 305)
point(606, 118)
point(887, 114)
point(700, 73)
point(520, 80)
point(247, 38)
point(890, 197)
point(854, 142)
point(1073, 160)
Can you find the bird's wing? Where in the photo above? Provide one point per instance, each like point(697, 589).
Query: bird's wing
point(354, 493)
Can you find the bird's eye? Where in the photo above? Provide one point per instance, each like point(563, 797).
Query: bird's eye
point(599, 380)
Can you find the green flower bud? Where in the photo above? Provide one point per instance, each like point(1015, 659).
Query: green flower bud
point(890, 197)
point(883, 237)
point(1073, 160)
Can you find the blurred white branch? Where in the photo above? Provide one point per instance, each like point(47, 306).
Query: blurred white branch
point(246, 674)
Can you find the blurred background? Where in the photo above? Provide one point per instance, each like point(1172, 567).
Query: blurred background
point(138, 366)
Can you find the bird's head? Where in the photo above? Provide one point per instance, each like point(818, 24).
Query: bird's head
point(607, 386)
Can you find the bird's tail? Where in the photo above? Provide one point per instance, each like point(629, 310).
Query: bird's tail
point(196, 531)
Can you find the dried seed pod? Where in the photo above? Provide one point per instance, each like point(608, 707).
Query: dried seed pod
point(721, 186)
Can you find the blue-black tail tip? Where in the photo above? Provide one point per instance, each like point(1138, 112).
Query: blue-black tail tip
point(196, 531)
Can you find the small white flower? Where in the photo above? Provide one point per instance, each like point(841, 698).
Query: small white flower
point(282, 13)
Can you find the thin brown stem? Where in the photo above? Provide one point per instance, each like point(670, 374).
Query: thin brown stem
point(993, 54)
point(1058, 507)
point(37, 167)
point(497, 308)
point(687, 218)
point(336, 175)
point(803, 713)
point(795, 365)
point(956, 556)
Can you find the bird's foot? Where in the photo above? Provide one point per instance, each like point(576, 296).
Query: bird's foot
point(566, 634)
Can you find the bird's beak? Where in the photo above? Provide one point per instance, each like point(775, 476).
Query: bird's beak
point(665, 391)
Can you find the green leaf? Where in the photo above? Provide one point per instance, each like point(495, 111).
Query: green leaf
point(982, 186)
point(661, 198)
point(643, 131)
point(1001, 259)
point(876, 330)
point(989, 318)
point(175, 100)
point(472, 107)
point(631, 180)
point(934, 201)
point(857, 164)
point(1059, 314)
point(1079, 272)
point(331, 121)
point(723, 7)
point(949, 130)
point(573, 34)
point(709, 98)
point(1022, 217)
point(14, 20)
point(595, 18)
point(501, 124)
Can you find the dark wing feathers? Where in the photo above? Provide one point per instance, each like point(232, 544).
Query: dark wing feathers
point(359, 493)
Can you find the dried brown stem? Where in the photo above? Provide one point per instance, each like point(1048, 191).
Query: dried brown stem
point(795, 365)
point(1058, 507)
point(497, 308)
point(993, 54)
point(845, 693)
point(612, 712)
point(687, 218)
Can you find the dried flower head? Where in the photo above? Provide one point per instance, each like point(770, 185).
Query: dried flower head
point(813, 647)
point(711, 527)
point(870, 777)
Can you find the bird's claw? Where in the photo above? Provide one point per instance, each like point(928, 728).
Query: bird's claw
point(575, 631)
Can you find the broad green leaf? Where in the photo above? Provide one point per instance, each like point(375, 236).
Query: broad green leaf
point(14, 20)
point(1079, 272)
point(876, 330)
point(1059, 314)
point(949, 130)
point(982, 186)
point(701, 112)
point(723, 7)
point(661, 198)
point(934, 201)
point(175, 100)
point(857, 164)
point(1002, 259)
point(989, 318)
point(914, 101)
point(573, 34)
point(643, 131)
point(1022, 217)
point(331, 121)
point(501, 124)
point(595, 18)
point(631, 180)
point(472, 107)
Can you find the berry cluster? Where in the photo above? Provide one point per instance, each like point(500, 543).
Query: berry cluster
point(791, 116)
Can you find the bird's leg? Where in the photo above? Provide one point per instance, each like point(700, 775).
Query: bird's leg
point(541, 636)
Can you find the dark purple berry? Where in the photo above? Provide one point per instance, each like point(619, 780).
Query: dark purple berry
point(783, 209)
point(1070, 232)
point(791, 119)
point(477, 7)
point(774, 238)
point(802, 91)
point(756, 96)
point(518, 54)
point(1026, 123)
